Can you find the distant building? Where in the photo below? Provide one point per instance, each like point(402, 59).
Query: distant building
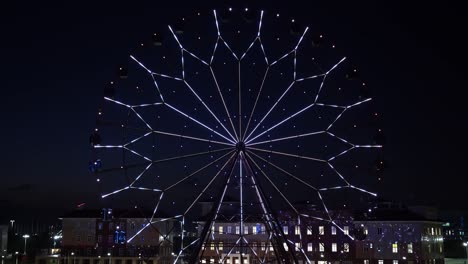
point(113, 237)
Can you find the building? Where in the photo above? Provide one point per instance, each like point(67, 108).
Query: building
point(398, 236)
point(391, 235)
point(114, 237)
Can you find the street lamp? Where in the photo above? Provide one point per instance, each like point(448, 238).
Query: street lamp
point(110, 257)
point(73, 257)
point(26, 236)
point(16, 254)
point(465, 244)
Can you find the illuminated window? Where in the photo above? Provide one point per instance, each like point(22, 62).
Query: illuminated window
point(263, 246)
point(395, 261)
point(271, 247)
point(346, 247)
point(211, 260)
point(254, 245)
point(321, 230)
point(333, 230)
point(246, 229)
point(237, 230)
point(297, 246)
point(379, 231)
point(309, 230)
point(229, 229)
point(285, 246)
point(263, 229)
point(380, 261)
point(297, 230)
point(410, 248)
point(212, 246)
point(346, 230)
point(285, 230)
point(309, 247)
point(220, 245)
point(432, 231)
point(366, 231)
point(321, 247)
point(395, 248)
point(366, 261)
point(334, 247)
point(220, 229)
point(254, 230)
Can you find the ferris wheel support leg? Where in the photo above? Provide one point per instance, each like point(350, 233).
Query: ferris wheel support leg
point(274, 223)
point(205, 234)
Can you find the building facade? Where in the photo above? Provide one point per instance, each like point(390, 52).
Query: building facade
point(113, 237)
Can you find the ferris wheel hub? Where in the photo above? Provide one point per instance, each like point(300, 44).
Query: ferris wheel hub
point(240, 146)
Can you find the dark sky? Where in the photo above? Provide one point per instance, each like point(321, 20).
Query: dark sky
point(57, 57)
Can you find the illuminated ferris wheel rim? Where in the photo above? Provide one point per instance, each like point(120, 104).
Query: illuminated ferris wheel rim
point(240, 145)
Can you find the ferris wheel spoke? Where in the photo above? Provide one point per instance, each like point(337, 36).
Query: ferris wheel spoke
point(325, 76)
point(286, 138)
point(256, 99)
point(196, 172)
point(252, 250)
point(199, 123)
point(348, 183)
point(269, 111)
point(286, 154)
point(274, 185)
point(209, 110)
point(190, 137)
point(282, 170)
point(224, 102)
point(149, 224)
point(208, 185)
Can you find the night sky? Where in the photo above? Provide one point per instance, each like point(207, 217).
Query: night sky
point(56, 59)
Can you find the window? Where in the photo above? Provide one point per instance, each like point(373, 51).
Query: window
point(346, 247)
point(395, 247)
point(410, 248)
point(309, 247)
point(212, 246)
point(285, 246)
point(379, 231)
point(333, 230)
point(285, 230)
point(90, 238)
point(321, 230)
point(309, 230)
point(220, 245)
point(254, 245)
point(380, 261)
point(229, 229)
point(254, 230)
point(346, 230)
point(246, 229)
point(321, 247)
point(334, 247)
point(297, 246)
point(271, 247)
point(263, 246)
point(132, 226)
point(100, 226)
point(220, 229)
point(432, 231)
point(395, 261)
point(78, 238)
point(99, 238)
point(441, 247)
point(297, 230)
point(366, 231)
point(366, 261)
point(263, 229)
point(237, 230)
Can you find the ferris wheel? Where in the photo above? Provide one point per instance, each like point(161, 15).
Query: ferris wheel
point(245, 109)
